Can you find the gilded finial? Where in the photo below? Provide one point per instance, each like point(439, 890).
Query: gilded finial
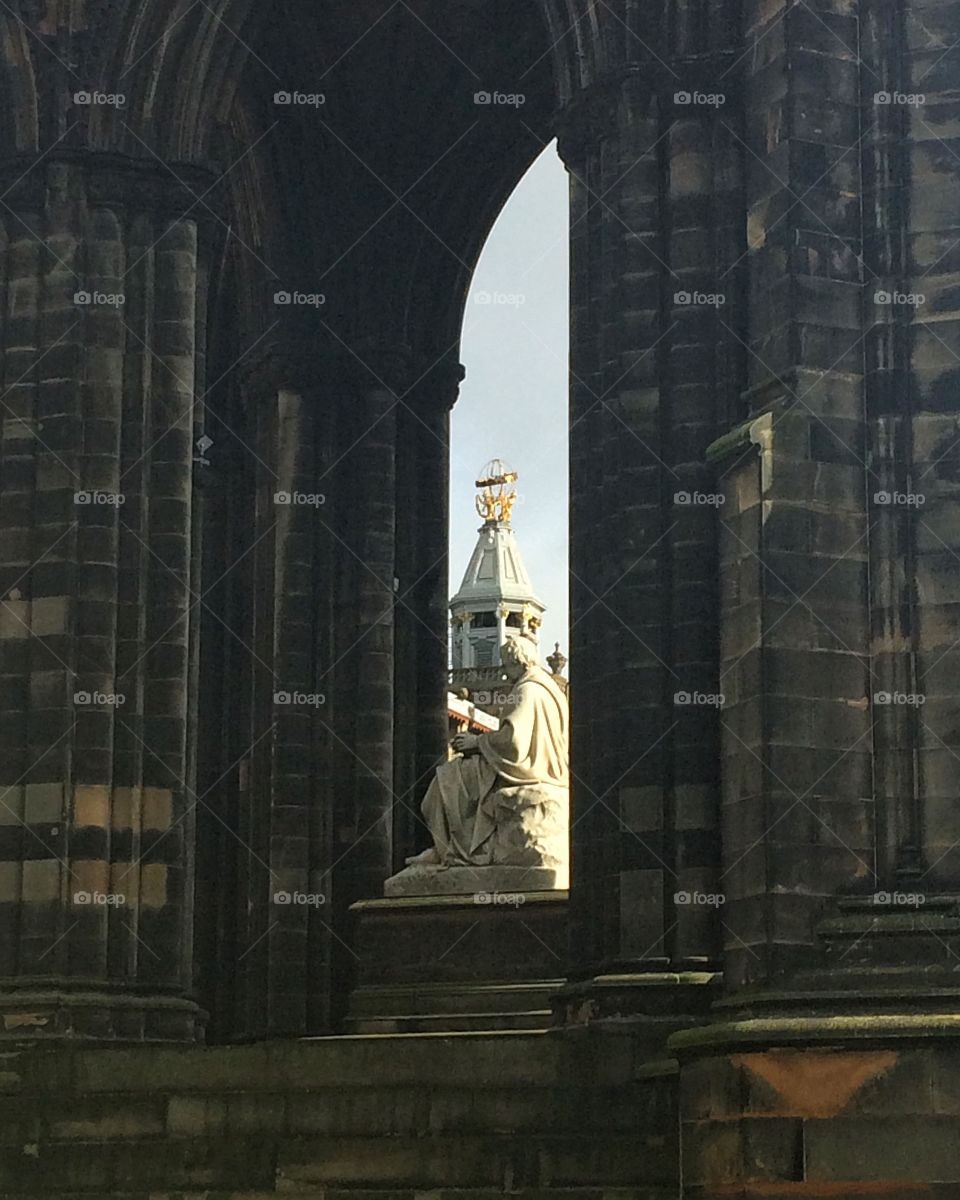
point(496, 498)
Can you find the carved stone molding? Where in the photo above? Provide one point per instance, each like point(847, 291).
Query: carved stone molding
point(294, 359)
point(113, 181)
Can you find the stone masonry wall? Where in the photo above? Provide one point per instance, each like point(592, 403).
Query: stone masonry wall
point(389, 1117)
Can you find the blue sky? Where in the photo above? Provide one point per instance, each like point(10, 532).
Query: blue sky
point(513, 403)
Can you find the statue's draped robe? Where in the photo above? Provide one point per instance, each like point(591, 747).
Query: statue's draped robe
point(520, 767)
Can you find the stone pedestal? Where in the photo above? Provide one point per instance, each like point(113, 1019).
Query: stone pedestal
point(488, 885)
point(491, 959)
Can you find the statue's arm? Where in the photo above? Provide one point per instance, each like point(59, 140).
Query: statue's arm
point(467, 743)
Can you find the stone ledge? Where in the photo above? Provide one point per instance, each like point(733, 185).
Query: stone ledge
point(489, 882)
point(87, 1014)
point(453, 900)
point(421, 1008)
point(300, 1065)
point(581, 1192)
point(787, 1031)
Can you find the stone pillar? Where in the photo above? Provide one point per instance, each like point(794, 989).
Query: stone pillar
point(328, 612)
point(291, 943)
point(466, 641)
point(644, 393)
point(617, 882)
point(501, 625)
point(799, 820)
point(423, 637)
point(698, 366)
point(912, 184)
point(892, 328)
point(366, 533)
point(269, 891)
point(839, 560)
point(102, 269)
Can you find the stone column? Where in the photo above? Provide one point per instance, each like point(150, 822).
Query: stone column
point(644, 804)
point(366, 603)
point(839, 560)
point(893, 325)
point(423, 634)
point(914, 183)
point(799, 820)
point(291, 938)
point(101, 332)
point(271, 676)
point(699, 363)
point(466, 642)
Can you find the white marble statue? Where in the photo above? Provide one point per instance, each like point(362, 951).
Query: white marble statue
point(503, 799)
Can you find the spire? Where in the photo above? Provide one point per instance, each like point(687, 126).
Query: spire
point(495, 599)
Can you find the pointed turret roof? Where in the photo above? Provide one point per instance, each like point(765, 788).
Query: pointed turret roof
point(496, 571)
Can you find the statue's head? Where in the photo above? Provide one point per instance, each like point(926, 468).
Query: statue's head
point(517, 655)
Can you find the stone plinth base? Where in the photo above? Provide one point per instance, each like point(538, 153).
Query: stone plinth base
point(652, 1005)
point(827, 1108)
point(73, 1013)
point(490, 960)
point(482, 882)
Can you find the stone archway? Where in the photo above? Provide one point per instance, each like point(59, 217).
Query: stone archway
point(202, 199)
point(212, 188)
point(154, 408)
point(353, 390)
point(151, 157)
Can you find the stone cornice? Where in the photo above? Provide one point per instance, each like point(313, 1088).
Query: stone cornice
point(439, 386)
point(112, 180)
point(589, 116)
point(297, 360)
point(592, 113)
point(802, 1031)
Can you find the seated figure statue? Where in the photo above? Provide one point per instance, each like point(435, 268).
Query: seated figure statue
point(502, 800)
